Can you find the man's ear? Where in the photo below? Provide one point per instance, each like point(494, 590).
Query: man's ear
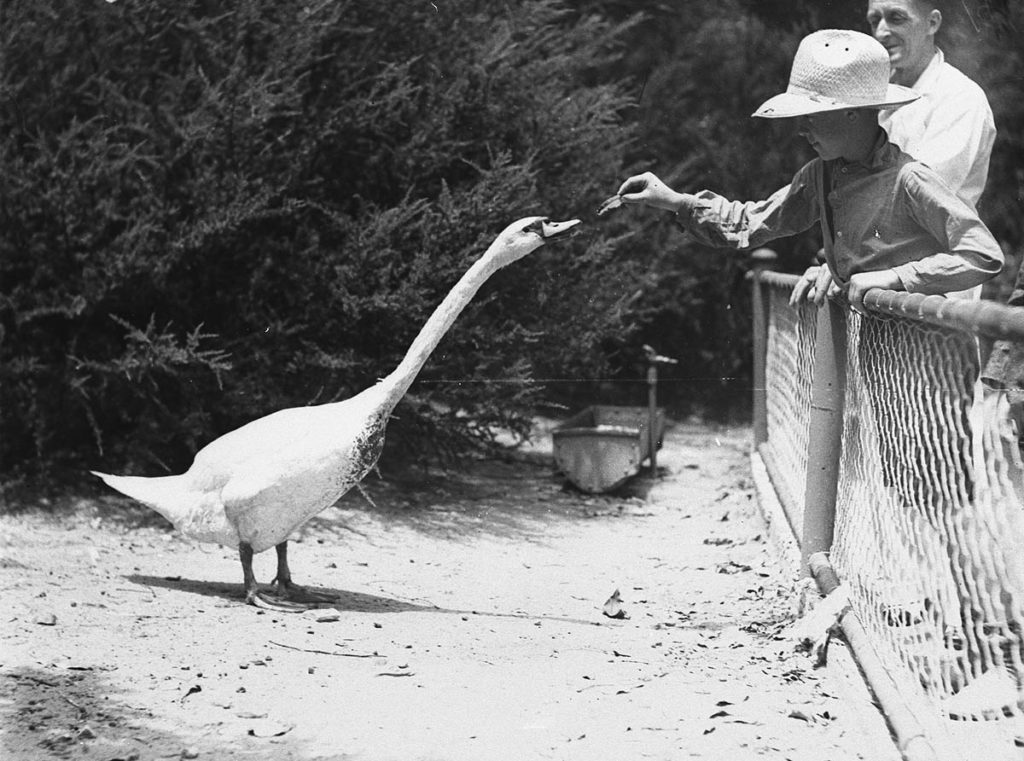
point(934, 20)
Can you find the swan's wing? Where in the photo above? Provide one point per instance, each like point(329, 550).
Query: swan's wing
point(266, 508)
point(268, 498)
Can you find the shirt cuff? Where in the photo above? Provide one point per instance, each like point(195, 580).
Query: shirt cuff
point(684, 215)
point(907, 273)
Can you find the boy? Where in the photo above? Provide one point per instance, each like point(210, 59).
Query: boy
point(887, 221)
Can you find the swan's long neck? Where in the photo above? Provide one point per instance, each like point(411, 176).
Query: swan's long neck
point(398, 382)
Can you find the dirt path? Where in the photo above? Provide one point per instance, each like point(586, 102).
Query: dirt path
point(469, 625)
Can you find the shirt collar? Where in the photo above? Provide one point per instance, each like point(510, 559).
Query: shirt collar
point(931, 71)
point(878, 156)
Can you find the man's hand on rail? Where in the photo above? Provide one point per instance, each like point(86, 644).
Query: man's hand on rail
point(863, 282)
point(815, 284)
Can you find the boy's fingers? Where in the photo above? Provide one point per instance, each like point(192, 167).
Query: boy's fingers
point(824, 285)
point(799, 291)
point(633, 185)
point(805, 286)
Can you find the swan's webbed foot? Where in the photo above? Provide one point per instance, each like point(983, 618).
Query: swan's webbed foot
point(286, 597)
point(259, 599)
point(286, 589)
point(264, 601)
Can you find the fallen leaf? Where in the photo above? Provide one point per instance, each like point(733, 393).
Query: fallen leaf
point(732, 567)
point(269, 728)
point(613, 606)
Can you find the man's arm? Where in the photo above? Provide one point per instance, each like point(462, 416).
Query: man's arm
point(957, 144)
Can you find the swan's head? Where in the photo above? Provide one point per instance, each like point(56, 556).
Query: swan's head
point(527, 235)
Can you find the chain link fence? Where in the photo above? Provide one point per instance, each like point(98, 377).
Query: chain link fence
point(887, 452)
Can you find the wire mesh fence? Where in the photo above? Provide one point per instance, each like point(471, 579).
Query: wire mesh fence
point(791, 334)
point(929, 512)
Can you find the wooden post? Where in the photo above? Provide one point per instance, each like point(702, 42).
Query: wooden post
point(653, 360)
point(763, 259)
point(652, 414)
point(825, 431)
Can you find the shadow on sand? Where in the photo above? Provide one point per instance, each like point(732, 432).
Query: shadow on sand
point(343, 600)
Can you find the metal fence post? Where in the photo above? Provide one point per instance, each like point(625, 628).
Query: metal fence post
point(825, 431)
point(762, 259)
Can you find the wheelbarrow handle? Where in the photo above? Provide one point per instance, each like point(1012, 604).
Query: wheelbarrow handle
point(658, 359)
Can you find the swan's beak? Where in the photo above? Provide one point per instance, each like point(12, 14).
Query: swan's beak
point(550, 231)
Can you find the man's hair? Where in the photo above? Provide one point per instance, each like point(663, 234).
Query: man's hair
point(943, 6)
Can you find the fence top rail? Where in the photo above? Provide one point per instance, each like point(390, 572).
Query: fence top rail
point(984, 317)
point(777, 279)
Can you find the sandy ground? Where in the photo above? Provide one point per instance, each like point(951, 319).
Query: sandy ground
point(468, 625)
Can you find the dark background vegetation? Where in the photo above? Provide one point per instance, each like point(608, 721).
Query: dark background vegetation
point(213, 209)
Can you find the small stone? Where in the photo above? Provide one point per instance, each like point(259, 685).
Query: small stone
point(190, 753)
point(86, 733)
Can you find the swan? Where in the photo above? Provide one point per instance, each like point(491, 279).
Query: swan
point(254, 486)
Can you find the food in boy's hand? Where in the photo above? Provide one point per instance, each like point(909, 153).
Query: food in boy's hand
point(610, 205)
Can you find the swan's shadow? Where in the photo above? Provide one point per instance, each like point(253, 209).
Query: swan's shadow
point(342, 599)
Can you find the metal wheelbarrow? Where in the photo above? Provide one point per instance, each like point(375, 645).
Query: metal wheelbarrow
point(603, 446)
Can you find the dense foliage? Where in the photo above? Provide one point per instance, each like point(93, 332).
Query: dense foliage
point(212, 210)
point(217, 208)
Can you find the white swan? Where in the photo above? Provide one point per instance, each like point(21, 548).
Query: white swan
point(253, 487)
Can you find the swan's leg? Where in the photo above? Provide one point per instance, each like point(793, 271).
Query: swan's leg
point(253, 596)
point(287, 589)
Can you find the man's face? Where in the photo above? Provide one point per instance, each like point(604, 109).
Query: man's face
point(907, 30)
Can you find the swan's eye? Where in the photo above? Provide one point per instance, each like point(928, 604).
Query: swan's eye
point(537, 226)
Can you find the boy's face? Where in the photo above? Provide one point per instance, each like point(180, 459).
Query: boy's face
point(828, 133)
point(907, 30)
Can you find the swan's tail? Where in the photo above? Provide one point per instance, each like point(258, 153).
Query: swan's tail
point(163, 493)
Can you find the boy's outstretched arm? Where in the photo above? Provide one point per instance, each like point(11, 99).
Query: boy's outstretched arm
point(718, 222)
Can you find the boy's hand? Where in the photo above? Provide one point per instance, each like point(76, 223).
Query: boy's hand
point(863, 282)
point(815, 284)
point(647, 189)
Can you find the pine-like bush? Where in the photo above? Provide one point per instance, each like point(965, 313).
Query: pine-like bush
point(212, 210)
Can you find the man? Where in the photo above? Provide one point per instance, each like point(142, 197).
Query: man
point(950, 127)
